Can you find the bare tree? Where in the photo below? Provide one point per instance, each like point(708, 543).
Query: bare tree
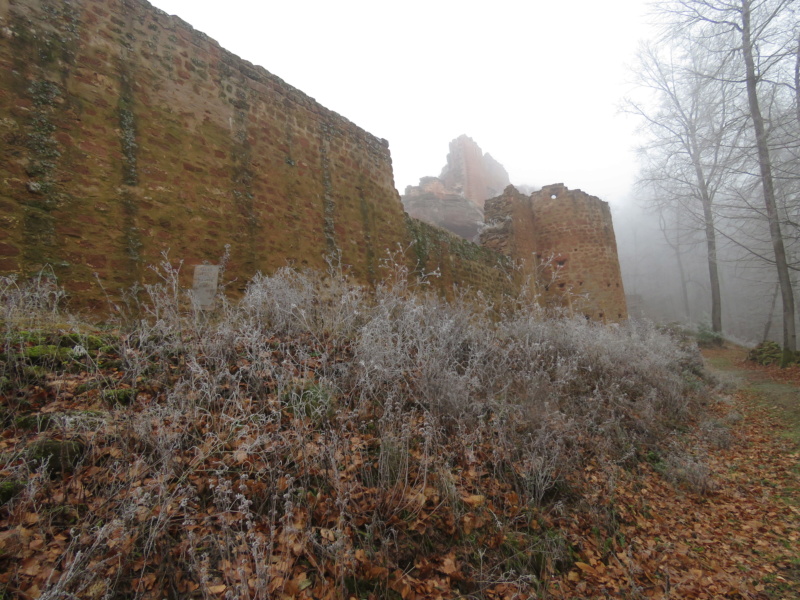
point(753, 37)
point(691, 146)
point(672, 237)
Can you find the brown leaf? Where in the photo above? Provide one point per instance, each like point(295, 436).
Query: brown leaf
point(474, 500)
point(448, 566)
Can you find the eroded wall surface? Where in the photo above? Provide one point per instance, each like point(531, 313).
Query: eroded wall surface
point(127, 133)
point(565, 240)
point(575, 233)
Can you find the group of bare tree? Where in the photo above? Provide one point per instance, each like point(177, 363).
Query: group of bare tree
point(719, 98)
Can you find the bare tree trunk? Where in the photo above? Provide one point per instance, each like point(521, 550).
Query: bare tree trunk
point(797, 80)
point(676, 248)
point(711, 235)
point(768, 324)
point(684, 288)
point(767, 185)
point(711, 246)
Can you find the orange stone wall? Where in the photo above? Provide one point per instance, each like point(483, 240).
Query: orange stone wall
point(575, 233)
point(565, 240)
point(126, 133)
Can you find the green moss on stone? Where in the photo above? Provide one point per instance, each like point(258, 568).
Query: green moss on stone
point(34, 374)
point(8, 489)
point(47, 354)
point(60, 456)
point(123, 396)
point(36, 422)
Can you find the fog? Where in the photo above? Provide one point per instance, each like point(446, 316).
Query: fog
point(655, 288)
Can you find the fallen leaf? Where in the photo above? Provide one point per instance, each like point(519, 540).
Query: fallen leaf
point(474, 500)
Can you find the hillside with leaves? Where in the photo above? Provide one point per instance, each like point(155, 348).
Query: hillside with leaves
point(315, 441)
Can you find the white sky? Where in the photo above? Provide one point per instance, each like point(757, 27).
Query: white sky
point(536, 83)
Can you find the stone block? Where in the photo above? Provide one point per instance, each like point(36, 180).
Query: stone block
point(204, 285)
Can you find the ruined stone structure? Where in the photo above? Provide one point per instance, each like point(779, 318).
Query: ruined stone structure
point(433, 203)
point(126, 133)
point(565, 240)
point(477, 176)
point(454, 200)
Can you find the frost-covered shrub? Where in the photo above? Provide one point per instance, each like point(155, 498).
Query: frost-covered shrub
point(435, 352)
point(311, 409)
point(295, 302)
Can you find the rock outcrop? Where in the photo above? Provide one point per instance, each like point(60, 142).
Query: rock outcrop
point(471, 173)
point(433, 203)
point(454, 200)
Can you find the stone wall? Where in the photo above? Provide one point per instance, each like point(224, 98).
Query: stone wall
point(565, 241)
point(126, 133)
point(460, 263)
point(432, 202)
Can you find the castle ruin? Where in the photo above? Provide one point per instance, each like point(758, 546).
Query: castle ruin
point(565, 241)
point(126, 133)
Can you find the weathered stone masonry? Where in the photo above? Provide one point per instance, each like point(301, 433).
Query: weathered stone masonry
point(125, 133)
point(565, 240)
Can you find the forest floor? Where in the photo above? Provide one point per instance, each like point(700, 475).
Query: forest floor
point(721, 522)
point(740, 539)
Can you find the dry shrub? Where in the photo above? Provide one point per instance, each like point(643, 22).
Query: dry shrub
point(311, 394)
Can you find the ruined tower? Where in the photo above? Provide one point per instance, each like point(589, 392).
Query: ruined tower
point(454, 200)
point(564, 239)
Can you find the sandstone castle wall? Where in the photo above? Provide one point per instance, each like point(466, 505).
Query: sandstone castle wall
point(126, 133)
point(565, 239)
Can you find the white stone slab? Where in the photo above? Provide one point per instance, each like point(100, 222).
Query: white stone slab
point(204, 287)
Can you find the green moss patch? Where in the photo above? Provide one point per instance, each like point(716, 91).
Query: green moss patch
point(8, 489)
point(60, 456)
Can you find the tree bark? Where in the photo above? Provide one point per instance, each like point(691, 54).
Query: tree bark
point(797, 80)
point(711, 244)
point(676, 248)
point(768, 324)
point(768, 188)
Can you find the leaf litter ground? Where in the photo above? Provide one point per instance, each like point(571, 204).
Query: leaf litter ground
point(625, 532)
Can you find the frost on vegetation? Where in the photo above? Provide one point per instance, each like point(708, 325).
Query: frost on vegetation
point(310, 409)
point(687, 470)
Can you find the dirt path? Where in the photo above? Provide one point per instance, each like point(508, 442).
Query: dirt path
point(762, 469)
point(773, 388)
point(720, 521)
